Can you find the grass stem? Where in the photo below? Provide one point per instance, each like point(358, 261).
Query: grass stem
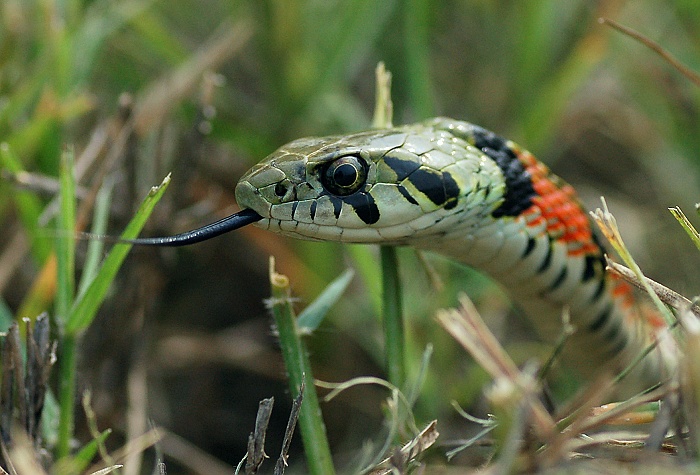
point(392, 317)
point(296, 361)
point(392, 312)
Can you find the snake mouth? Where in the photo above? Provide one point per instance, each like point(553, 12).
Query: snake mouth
point(232, 222)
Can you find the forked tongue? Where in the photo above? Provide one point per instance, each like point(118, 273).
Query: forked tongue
point(230, 223)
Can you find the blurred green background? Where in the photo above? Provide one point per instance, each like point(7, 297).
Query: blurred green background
point(207, 88)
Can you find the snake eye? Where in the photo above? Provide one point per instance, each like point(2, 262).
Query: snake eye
point(345, 175)
point(280, 190)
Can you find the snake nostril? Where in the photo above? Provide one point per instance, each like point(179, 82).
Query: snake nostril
point(280, 190)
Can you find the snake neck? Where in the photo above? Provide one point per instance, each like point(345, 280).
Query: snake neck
point(539, 245)
point(544, 280)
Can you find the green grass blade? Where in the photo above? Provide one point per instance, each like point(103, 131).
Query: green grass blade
point(28, 204)
point(95, 246)
point(83, 313)
point(85, 309)
point(100, 22)
point(83, 458)
point(65, 242)
point(687, 225)
point(312, 316)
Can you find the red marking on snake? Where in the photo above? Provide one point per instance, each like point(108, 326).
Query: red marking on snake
point(567, 221)
point(559, 207)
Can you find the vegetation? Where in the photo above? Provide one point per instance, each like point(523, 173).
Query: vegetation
point(102, 99)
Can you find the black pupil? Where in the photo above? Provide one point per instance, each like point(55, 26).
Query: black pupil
point(345, 175)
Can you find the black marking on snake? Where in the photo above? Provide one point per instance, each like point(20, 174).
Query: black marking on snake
point(595, 264)
point(519, 189)
point(312, 211)
point(601, 319)
point(599, 291)
point(486, 138)
point(364, 206)
point(591, 263)
point(404, 192)
point(531, 242)
point(547, 259)
point(337, 205)
point(559, 280)
point(614, 331)
point(294, 207)
point(439, 187)
point(621, 344)
point(403, 168)
point(451, 190)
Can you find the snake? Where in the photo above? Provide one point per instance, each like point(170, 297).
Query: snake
point(459, 190)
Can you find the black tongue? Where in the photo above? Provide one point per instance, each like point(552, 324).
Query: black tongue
point(230, 223)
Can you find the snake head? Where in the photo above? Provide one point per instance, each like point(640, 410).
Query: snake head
point(387, 186)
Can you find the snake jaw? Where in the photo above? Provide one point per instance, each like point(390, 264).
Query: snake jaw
point(248, 196)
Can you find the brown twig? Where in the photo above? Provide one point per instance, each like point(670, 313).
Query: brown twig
point(657, 48)
point(256, 440)
point(667, 296)
point(289, 432)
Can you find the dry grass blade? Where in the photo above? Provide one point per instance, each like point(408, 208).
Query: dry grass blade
point(593, 395)
point(623, 413)
point(657, 48)
point(468, 328)
point(25, 459)
point(256, 440)
point(163, 95)
point(619, 438)
point(107, 470)
point(189, 456)
point(137, 418)
point(612, 413)
point(408, 452)
point(607, 224)
point(667, 296)
point(666, 415)
point(289, 432)
point(35, 182)
point(91, 419)
point(384, 108)
point(140, 444)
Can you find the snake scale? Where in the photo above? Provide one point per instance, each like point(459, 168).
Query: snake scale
point(457, 189)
